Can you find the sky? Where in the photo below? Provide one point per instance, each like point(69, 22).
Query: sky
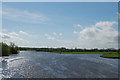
point(60, 0)
point(60, 24)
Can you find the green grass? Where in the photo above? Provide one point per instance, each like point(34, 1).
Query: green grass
point(104, 54)
point(85, 52)
point(110, 55)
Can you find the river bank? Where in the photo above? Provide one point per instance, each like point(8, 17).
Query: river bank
point(113, 55)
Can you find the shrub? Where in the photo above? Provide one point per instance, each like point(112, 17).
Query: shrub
point(7, 50)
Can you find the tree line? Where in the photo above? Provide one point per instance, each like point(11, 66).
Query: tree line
point(6, 50)
point(62, 49)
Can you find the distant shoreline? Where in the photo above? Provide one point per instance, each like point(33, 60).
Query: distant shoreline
point(113, 55)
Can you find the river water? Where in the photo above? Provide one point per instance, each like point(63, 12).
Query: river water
point(31, 64)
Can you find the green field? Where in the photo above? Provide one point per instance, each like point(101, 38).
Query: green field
point(103, 54)
point(110, 55)
point(86, 52)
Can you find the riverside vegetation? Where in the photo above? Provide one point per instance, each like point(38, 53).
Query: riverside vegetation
point(105, 53)
point(7, 50)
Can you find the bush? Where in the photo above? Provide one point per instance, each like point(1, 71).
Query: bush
point(13, 48)
point(7, 50)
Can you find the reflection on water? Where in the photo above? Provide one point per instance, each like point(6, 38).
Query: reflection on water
point(4, 67)
point(0, 68)
point(31, 64)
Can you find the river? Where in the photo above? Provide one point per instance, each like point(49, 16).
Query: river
point(32, 64)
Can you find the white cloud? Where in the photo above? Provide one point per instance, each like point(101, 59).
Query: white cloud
point(13, 33)
point(5, 36)
point(67, 43)
point(49, 37)
point(23, 15)
point(53, 36)
point(105, 23)
point(76, 25)
point(17, 38)
point(54, 33)
point(75, 32)
point(4, 30)
point(60, 34)
point(12, 37)
point(24, 33)
point(57, 34)
point(100, 35)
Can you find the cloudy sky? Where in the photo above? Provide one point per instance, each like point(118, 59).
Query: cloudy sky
point(61, 24)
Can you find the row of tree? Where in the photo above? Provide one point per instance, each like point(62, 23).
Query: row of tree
point(69, 50)
point(6, 50)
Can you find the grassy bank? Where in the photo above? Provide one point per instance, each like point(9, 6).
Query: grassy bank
point(63, 50)
point(104, 54)
point(111, 55)
point(86, 52)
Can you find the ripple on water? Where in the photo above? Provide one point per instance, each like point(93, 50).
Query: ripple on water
point(31, 64)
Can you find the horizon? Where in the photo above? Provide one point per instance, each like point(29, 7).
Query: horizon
point(64, 24)
point(60, 47)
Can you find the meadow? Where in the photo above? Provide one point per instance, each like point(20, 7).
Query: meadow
point(103, 54)
point(86, 52)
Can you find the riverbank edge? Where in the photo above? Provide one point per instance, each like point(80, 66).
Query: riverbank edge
point(103, 54)
point(113, 55)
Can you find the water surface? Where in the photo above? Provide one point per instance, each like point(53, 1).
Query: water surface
point(31, 64)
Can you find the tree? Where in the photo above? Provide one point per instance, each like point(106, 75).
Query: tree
point(5, 49)
point(13, 48)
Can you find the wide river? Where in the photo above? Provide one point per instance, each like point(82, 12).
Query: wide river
point(31, 64)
